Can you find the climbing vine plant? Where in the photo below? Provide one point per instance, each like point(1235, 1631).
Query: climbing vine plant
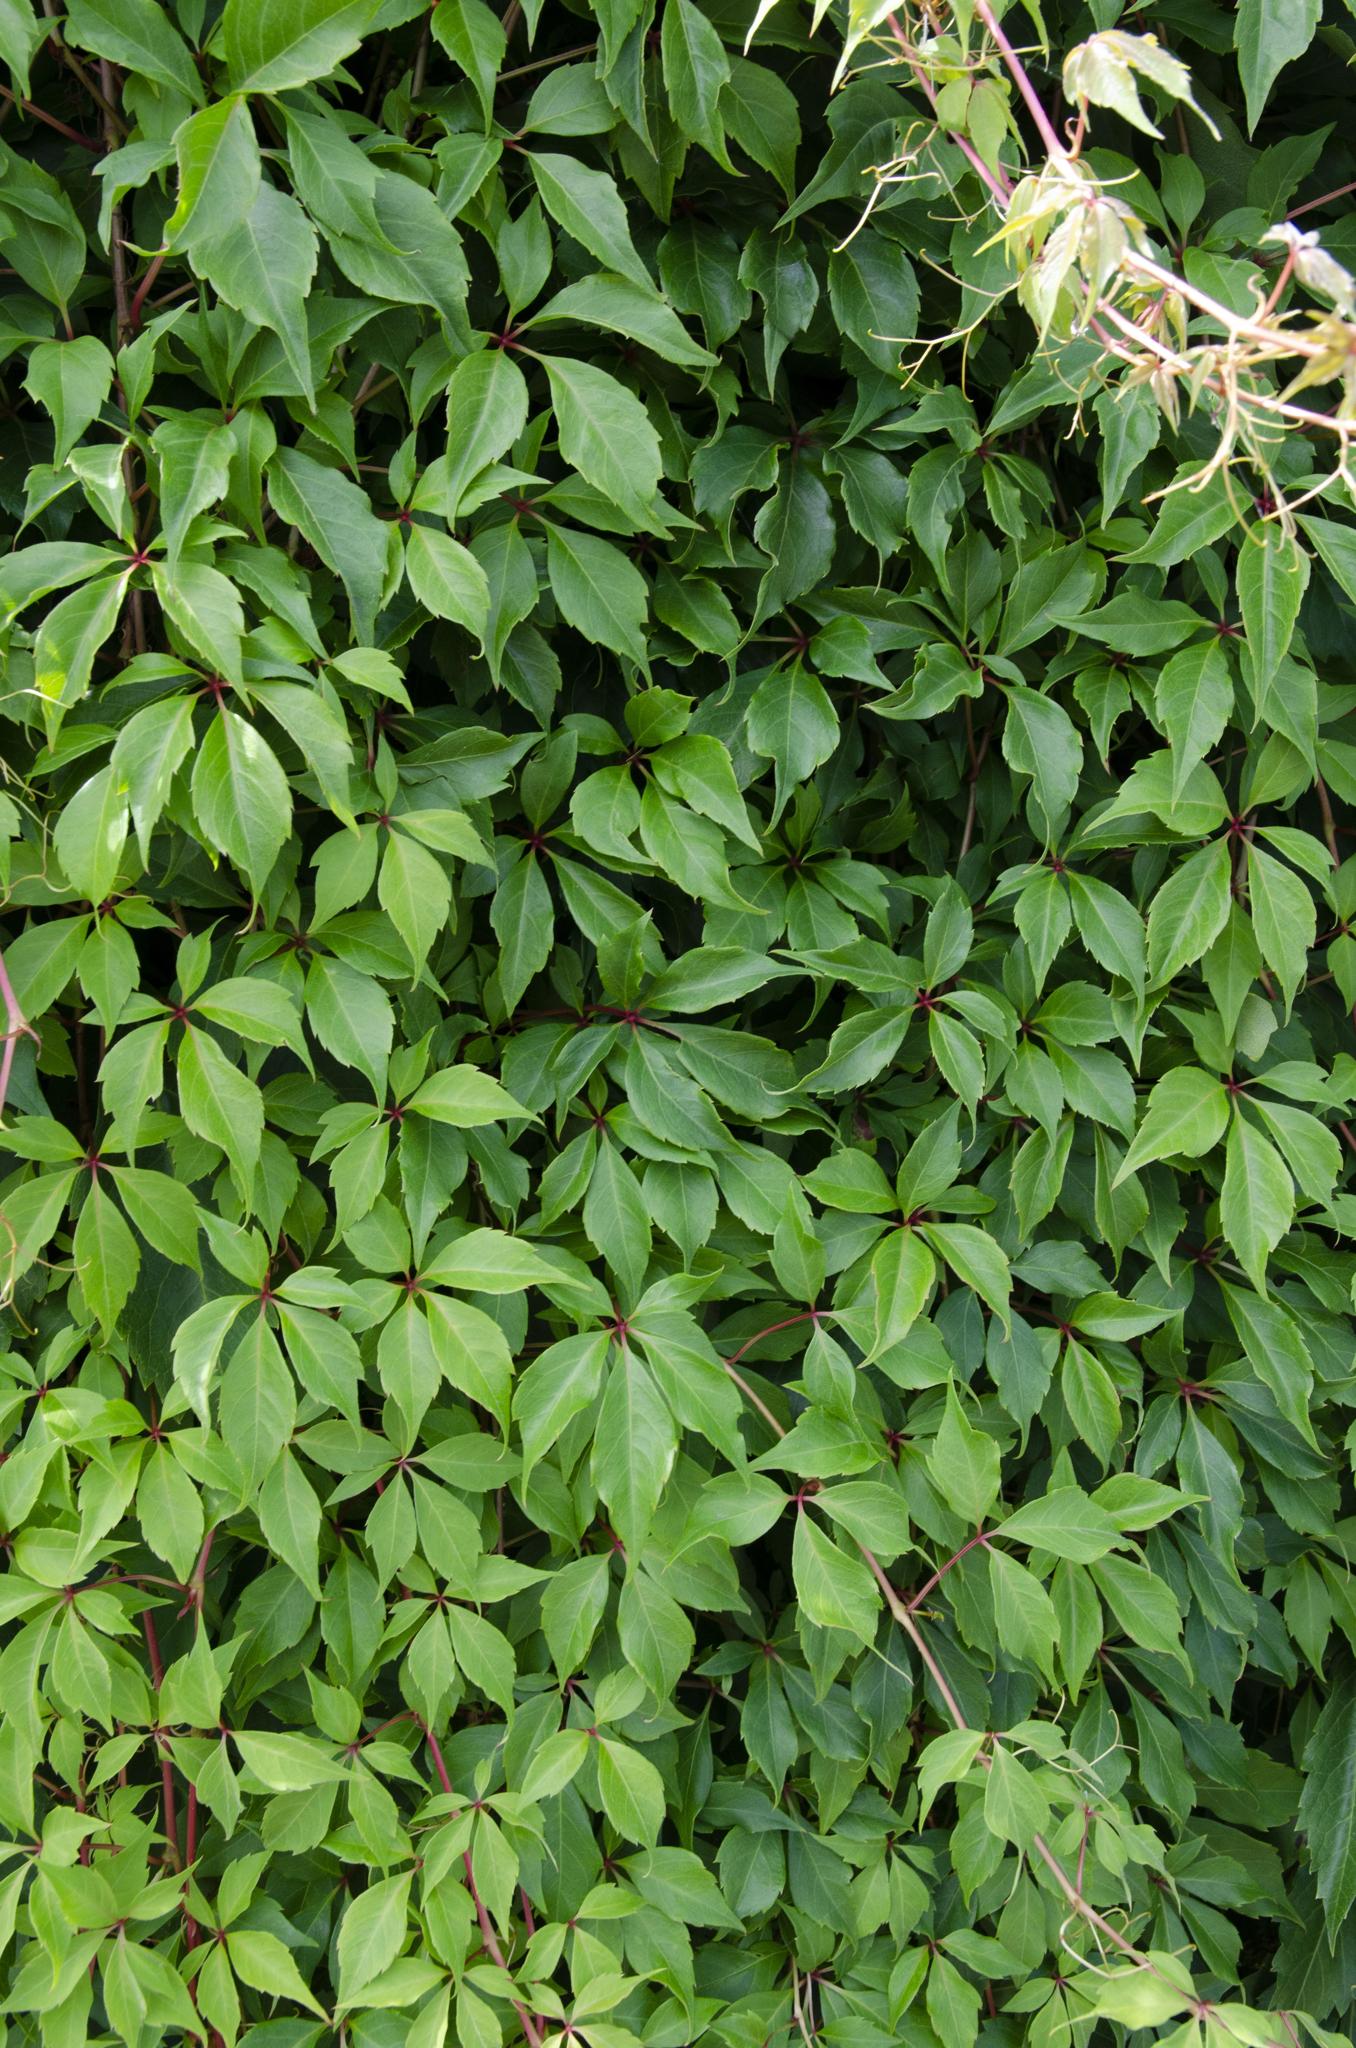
point(679, 716)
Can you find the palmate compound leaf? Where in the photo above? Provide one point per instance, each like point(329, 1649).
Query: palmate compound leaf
point(675, 1171)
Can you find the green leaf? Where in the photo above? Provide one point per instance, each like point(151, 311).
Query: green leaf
point(274, 45)
point(624, 307)
point(588, 206)
point(631, 1790)
point(71, 380)
point(600, 593)
point(289, 1515)
point(474, 38)
point(1193, 698)
point(263, 264)
point(634, 1448)
point(261, 1959)
point(488, 1262)
point(1066, 1523)
point(258, 1407)
point(793, 723)
point(106, 1256)
point(605, 434)
point(372, 1933)
point(1189, 912)
point(163, 1211)
point(220, 1103)
point(1267, 38)
point(218, 160)
point(141, 37)
point(946, 1761)
point(1015, 1808)
point(1184, 1117)
point(1272, 575)
point(695, 69)
point(464, 1096)
point(69, 639)
point(254, 1010)
point(241, 797)
point(964, 1464)
point(1258, 1198)
point(486, 412)
point(1141, 1605)
point(195, 469)
point(447, 579)
point(1327, 1808)
point(1283, 918)
point(977, 1259)
point(336, 517)
point(484, 1654)
point(91, 835)
point(562, 1382)
point(554, 1763)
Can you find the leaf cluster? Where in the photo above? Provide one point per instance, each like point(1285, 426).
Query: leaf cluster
point(677, 1074)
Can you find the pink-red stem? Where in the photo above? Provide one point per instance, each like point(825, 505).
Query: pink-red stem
point(531, 2032)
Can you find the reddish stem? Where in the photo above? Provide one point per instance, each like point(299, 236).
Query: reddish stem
point(531, 2033)
point(994, 179)
point(1324, 199)
point(18, 1027)
point(153, 1649)
point(191, 1930)
point(1017, 70)
point(198, 1582)
point(170, 1814)
point(807, 1315)
point(152, 273)
point(41, 114)
point(901, 1614)
point(1274, 295)
point(1329, 823)
point(941, 1572)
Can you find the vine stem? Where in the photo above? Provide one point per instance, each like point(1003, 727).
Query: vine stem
point(751, 1395)
point(152, 273)
point(532, 2034)
point(17, 1027)
point(168, 1815)
point(56, 41)
point(1324, 199)
point(1236, 325)
point(1302, 415)
point(972, 799)
point(545, 63)
point(994, 179)
point(1329, 823)
point(196, 1588)
point(982, 1538)
point(192, 1932)
point(117, 245)
point(915, 1635)
point(900, 1613)
point(38, 113)
point(807, 1315)
point(1045, 127)
point(153, 1650)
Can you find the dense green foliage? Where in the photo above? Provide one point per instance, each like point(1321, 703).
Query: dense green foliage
point(673, 1190)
